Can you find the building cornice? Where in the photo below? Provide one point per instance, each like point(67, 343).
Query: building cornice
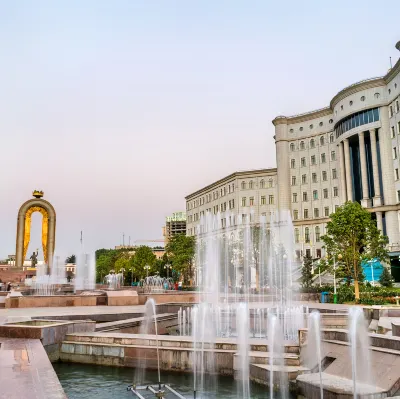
point(232, 176)
point(319, 113)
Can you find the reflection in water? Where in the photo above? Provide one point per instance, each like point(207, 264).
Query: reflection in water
point(86, 381)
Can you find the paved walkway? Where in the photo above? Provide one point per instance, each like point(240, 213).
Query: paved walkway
point(26, 371)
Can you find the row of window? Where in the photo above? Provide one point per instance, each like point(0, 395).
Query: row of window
point(263, 200)
point(307, 235)
point(362, 98)
point(302, 144)
point(316, 213)
point(252, 184)
point(311, 126)
point(395, 107)
point(393, 130)
point(313, 160)
point(325, 194)
point(357, 119)
point(314, 178)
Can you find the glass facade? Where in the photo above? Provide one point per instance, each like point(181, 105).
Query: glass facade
point(357, 119)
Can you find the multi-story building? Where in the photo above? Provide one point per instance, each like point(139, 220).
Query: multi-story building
point(174, 224)
point(243, 195)
point(347, 151)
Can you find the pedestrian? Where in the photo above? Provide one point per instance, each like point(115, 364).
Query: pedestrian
point(8, 286)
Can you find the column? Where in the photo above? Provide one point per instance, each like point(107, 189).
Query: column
point(379, 220)
point(349, 181)
point(343, 194)
point(377, 186)
point(364, 178)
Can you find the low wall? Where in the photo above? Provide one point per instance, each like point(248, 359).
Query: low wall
point(175, 296)
point(50, 301)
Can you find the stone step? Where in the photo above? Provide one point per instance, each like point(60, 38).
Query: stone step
point(288, 359)
point(260, 373)
point(308, 385)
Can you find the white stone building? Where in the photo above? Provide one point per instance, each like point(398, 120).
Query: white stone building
point(347, 151)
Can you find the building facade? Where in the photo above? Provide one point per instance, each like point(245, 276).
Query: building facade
point(174, 224)
point(347, 151)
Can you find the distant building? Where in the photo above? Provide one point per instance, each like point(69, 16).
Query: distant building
point(175, 224)
point(157, 251)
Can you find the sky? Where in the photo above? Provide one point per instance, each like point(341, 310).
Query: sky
point(119, 109)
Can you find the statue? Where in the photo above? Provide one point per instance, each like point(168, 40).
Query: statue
point(33, 258)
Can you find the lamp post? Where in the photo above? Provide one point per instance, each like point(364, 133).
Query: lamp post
point(131, 276)
point(147, 268)
point(371, 262)
point(339, 258)
point(167, 267)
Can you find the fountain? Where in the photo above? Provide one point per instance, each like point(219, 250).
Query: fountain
point(156, 284)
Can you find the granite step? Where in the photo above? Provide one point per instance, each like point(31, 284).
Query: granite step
point(288, 359)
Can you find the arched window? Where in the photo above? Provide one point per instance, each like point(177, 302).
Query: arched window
point(262, 184)
point(317, 234)
point(292, 147)
point(302, 146)
point(307, 235)
point(331, 138)
point(322, 140)
point(251, 184)
point(296, 235)
point(270, 183)
point(243, 185)
point(312, 143)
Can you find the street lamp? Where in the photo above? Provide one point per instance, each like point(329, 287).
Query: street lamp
point(147, 268)
point(339, 258)
point(167, 267)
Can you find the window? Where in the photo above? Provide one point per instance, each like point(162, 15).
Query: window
point(336, 207)
point(312, 143)
point(263, 200)
point(330, 120)
point(334, 174)
point(305, 213)
point(251, 185)
point(313, 160)
point(397, 106)
point(292, 147)
point(317, 234)
point(311, 126)
point(292, 163)
point(294, 197)
point(391, 110)
point(308, 250)
point(335, 192)
point(307, 235)
point(316, 212)
point(333, 156)
point(398, 195)
point(262, 183)
point(376, 95)
point(243, 201)
point(396, 174)
point(291, 130)
point(321, 123)
point(351, 103)
point(331, 138)
point(357, 119)
point(296, 235)
point(303, 179)
point(326, 211)
point(305, 198)
point(392, 132)
point(315, 194)
point(398, 127)
point(303, 162)
point(295, 214)
point(323, 158)
point(314, 177)
point(325, 193)
point(270, 183)
point(302, 146)
point(324, 175)
point(394, 153)
point(301, 129)
point(322, 140)
point(271, 199)
point(362, 98)
point(293, 180)
point(251, 201)
point(243, 185)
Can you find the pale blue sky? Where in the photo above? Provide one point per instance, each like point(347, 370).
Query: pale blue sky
point(118, 109)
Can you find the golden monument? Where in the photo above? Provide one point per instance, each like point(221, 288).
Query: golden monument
point(37, 204)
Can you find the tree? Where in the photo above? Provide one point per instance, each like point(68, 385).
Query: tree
point(306, 272)
point(144, 256)
point(71, 259)
point(386, 279)
point(103, 266)
point(352, 233)
point(180, 250)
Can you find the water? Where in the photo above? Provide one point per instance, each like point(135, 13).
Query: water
point(156, 284)
point(82, 381)
point(85, 277)
point(113, 281)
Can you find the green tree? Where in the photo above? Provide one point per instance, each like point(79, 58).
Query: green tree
point(306, 272)
point(143, 256)
point(71, 259)
point(386, 279)
point(180, 250)
point(352, 233)
point(103, 266)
